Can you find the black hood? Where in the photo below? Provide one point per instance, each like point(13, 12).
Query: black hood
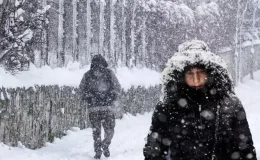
point(192, 54)
point(98, 61)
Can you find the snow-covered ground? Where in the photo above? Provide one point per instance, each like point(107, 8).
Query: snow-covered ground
point(72, 74)
point(78, 144)
point(130, 132)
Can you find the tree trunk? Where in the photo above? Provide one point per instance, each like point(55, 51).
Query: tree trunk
point(47, 28)
point(132, 49)
point(143, 36)
point(236, 43)
point(112, 34)
point(88, 36)
point(241, 74)
point(44, 37)
point(74, 32)
point(123, 56)
point(101, 28)
point(61, 50)
point(252, 52)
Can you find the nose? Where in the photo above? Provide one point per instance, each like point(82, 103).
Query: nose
point(196, 79)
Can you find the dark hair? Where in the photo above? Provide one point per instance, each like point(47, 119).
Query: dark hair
point(192, 66)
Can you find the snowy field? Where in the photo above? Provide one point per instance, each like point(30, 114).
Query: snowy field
point(130, 132)
point(72, 75)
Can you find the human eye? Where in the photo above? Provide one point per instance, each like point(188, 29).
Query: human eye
point(201, 72)
point(189, 73)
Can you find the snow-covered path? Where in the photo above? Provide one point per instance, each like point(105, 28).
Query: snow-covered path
point(78, 144)
point(129, 137)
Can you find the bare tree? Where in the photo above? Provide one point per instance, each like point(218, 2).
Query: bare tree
point(61, 47)
point(123, 21)
point(88, 36)
point(132, 34)
point(112, 33)
point(75, 51)
point(101, 27)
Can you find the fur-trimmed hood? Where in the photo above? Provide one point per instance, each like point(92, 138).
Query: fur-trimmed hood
point(194, 53)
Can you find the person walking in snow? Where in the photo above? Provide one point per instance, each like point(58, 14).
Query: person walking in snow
point(99, 87)
point(199, 116)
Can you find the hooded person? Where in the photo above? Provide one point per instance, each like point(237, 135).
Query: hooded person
point(199, 117)
point(100, 88)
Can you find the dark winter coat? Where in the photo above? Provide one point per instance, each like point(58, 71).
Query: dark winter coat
point(99, 86)
point(198, 125)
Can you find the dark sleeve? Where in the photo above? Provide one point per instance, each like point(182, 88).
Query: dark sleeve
point(157, 144)
point(83, 88)
point(243, 142)
point(116, 86)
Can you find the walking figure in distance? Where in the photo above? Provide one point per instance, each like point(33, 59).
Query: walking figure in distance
point(99, 88)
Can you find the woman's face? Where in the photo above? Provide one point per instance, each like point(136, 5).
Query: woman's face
point(196, 78)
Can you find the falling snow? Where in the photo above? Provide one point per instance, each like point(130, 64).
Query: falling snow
point(133, 36)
